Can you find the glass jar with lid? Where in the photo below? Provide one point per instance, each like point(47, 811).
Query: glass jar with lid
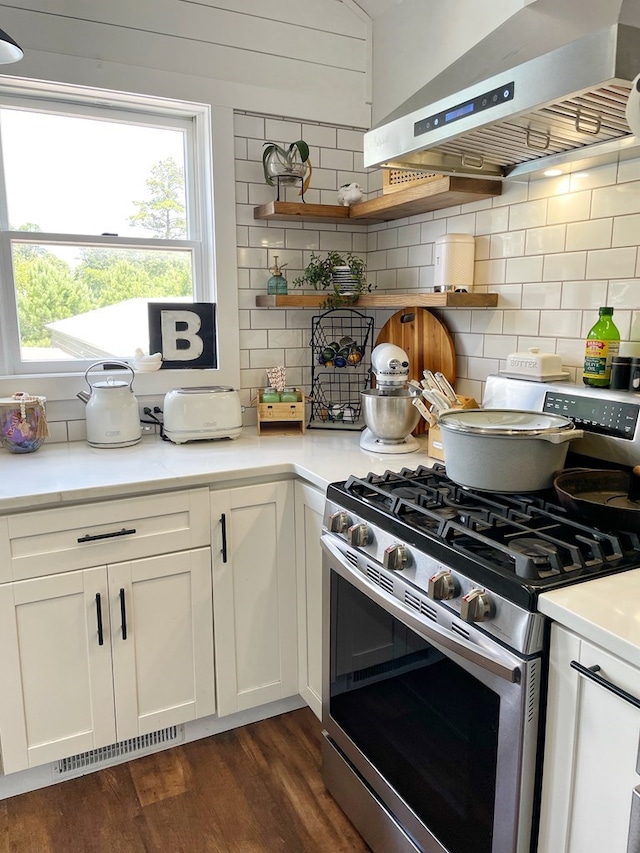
point(289, 395)
point(269, 395)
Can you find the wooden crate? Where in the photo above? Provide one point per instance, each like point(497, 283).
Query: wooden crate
point(282, 418)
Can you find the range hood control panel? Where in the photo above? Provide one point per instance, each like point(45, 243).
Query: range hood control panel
point(596, 414)
point(457, 111)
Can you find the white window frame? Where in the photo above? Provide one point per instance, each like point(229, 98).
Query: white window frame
point(193, 119)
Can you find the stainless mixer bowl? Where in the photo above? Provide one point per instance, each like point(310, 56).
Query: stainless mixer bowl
point(390, 415)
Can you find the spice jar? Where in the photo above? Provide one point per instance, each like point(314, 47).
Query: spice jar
point(269, 395)
point(620, 372)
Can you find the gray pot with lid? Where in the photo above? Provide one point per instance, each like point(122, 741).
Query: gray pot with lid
point(505, 450)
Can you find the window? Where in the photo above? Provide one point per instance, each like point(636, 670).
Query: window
point(103, 206)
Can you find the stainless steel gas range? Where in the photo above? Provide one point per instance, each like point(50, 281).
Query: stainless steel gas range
point(434, 652)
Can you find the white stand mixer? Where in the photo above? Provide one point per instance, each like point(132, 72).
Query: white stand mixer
point(388, 411)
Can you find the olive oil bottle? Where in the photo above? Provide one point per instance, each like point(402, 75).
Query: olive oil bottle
point(601, 346)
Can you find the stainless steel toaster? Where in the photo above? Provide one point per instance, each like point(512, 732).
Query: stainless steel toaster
point(205, 412)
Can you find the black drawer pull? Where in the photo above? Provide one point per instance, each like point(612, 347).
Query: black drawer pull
point(591, 672)
point(223, 524)
point(123, 614)
point(124, 532)
point(99, 618)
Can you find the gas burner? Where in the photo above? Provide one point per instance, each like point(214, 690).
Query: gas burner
point(534, 558)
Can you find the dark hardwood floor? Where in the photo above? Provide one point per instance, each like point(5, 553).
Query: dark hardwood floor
point(255, 789)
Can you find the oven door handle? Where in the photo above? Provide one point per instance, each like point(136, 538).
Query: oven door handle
point(478, 656)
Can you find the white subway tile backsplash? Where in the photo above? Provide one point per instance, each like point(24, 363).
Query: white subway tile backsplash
point(486, 322)
point(583, 294)
point(303, 238)
point(336, 159)
point(524, 269)
point(408, 278)
point(553, 250)
point(626, 230)
point(248, 125)
point(617, 200)
point(566, 324)
point(399, 258)
point(388, 239)
point(492, 220)
point(594, 234)
point(319, 135)
point(569, 207)
point(612, 263)
point(542, 295)
point(420, 255)
point(521, 322)
point(489, 272)
point(464, 223)
point(409, 235)
point(529, 214)
point(623, 294)
point(564, 266)
point(507, 245)
point(544, 241)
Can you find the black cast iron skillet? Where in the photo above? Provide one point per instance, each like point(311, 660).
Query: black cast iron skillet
point(609, 500)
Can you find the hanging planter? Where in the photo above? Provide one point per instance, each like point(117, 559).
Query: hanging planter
point(287, 166)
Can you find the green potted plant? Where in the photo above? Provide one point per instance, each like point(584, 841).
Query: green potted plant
point(286, 165)
point(343, 275)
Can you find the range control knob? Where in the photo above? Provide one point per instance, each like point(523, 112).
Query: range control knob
point(475, 606)
point(443, 586)
point(358, 535)
point(339, 522)
point(395, 557)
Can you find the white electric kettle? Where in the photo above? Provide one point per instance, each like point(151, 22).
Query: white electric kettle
point(113, 419)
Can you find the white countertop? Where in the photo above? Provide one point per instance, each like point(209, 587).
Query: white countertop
point(63, 473)
point(605, 611)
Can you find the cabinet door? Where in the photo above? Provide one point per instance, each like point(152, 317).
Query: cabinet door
point(254, 596)
point(309, 511)
point(57, 694)
point(591, 752)
point(162, 638)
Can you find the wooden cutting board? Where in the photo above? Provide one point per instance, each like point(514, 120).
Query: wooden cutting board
point(426, 341)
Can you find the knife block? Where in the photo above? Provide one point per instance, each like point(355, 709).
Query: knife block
point(434, 446)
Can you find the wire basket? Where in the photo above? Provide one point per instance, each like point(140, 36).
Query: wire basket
point(340, 343)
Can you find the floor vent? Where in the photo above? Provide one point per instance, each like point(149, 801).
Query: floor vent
point(118, 752)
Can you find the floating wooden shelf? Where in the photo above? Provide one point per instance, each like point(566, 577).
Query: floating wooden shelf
point(280, 210)
point(435, 194)
point(385, 300)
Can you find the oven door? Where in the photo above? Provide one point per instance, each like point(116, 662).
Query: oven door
point(440, 729)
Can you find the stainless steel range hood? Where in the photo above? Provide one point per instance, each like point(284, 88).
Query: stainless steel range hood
point(511, 108)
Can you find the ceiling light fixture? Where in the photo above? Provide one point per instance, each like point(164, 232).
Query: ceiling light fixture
point(9, 50)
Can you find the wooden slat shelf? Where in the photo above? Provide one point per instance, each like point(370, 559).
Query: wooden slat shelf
point(434, 194)
point(385, 300)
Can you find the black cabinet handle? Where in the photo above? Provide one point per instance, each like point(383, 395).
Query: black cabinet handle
point(123, 532)
point(99, 618)
point(123, 614)
point(223, 524)
point(591, 673)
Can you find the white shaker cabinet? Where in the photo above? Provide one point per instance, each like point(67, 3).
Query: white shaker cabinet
point(590, 771)
point(309, 511)
point(254, 595)
point(106, 652)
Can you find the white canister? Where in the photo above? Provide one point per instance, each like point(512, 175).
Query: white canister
point(454, 256)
